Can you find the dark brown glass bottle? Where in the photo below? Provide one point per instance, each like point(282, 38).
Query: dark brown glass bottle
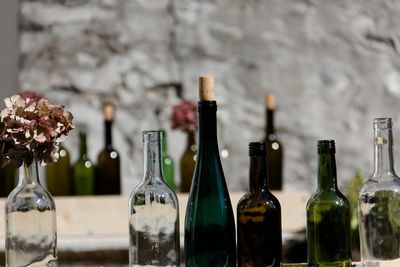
point(259, 230)
point(7, 179)
point(274, 147)
point(108, 180)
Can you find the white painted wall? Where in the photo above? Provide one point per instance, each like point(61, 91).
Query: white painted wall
point(8, 48)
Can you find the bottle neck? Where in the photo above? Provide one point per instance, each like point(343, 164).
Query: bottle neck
point(29, 174)
point(208, 127)
point(327, 172)
point(190, 141)
point(270, 122)
point(258, 172)
point(108, 133)
point(383, 153)
point(152, 160)
point(82, 147)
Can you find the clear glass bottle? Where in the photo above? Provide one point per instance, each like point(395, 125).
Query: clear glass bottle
point(30, 212)
point(379, 204)
point(154, 213)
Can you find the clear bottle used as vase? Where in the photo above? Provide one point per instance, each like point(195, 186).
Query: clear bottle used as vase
point(154, 213)
point(30, 214)
point(379, 204)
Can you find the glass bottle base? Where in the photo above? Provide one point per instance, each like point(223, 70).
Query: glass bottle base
point(381, 263)
point(346, 263)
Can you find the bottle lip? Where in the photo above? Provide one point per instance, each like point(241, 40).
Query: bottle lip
point(152, 136)
point(257, 148)
point(207, 105)
point(326, 146)
point(382, 123)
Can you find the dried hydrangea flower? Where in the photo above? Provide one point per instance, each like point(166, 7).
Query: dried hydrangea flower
point(31, 128)
point(184, 116)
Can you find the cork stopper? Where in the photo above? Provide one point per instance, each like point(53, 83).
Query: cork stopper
point(206, 88)
point(270, 101)
point(108, 111)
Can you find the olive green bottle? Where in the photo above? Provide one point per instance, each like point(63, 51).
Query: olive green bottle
point(328, 215)
point(83, 170)
point(58, 174)
point(167, 162)
point(188, 163)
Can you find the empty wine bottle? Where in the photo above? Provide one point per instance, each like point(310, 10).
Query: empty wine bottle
point(209, 211)
point(154, 213)
point(188, 163)
point(108, 178)
point(274, 147)
point(379, 204)
point(328, 215)
point(167, 162)
point(83, 170)
point(259, 230)
point(58, 175)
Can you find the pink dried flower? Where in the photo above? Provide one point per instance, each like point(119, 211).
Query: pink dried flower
point(32, 128)
point(184, 116)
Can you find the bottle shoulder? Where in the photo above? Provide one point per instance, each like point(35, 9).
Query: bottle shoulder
point(153, 190)
point(28, 197)
point(260, 198)
point(390, 183)
point(327, 198)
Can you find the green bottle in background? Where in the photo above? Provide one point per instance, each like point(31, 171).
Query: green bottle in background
point(167, 162)
point(210, 237)
point(108, 178)
point(58, 175)
point(83, 170)
point(259, 229)
point(274, 147)
point(328, 215)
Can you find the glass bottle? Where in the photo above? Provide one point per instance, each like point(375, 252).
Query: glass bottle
point(188, 162)
point(167, 162)
point(30, 211)
point(328, 215)
point(210, 236)
point(108, 178)
point(83, 170)
point(7, 179)
point(379, 204)
point(274, 147)
point(259, 230)
point(58, 174)
point(154, 213)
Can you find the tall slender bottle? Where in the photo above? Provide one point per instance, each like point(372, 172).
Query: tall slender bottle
point(328, 215)
point(167, 162)
point(83, 170)
point(274, 147)
point(58, 175)
point(259, 230)
point(379, 204)
point(209, 211)
point(108, 178)
point(154, 212)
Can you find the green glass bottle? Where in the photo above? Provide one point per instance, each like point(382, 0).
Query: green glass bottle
point(274, 148)
point(83, 170)
point(259, 230)
point(188, 163)
point(328, 215)
point(209, 223)
point(58, 175)
point(108, 176)
point(167, 162)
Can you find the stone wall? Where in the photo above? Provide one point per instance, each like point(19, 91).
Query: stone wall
point(333, 66)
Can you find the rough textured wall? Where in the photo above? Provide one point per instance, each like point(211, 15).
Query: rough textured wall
point(333, 65)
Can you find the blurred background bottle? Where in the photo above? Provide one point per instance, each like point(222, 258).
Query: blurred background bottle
point(188, 163)
point(58, 174)
point(83, 170)
point(108, 172)
point(167, 162)
point(7, 179)
point(274, 147)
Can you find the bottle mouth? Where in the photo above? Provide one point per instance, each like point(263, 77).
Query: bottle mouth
point(257, 148)
point(152, 136)
point(382, 123)
point(326, 146)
